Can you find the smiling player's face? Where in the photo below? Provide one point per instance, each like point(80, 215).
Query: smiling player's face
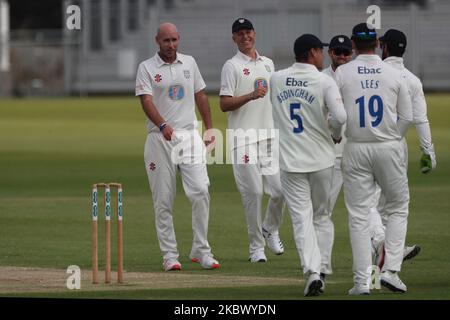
point(245, 39)
point(340, 56)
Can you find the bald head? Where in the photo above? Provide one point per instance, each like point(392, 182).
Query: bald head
point(166, 28)
point(167, 38)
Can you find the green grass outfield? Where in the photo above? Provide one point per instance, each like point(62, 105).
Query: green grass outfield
point(52, 150)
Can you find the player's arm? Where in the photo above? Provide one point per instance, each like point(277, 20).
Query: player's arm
point(201, 99)
point(333, 102)
point(228, 103)
point(404, 109)
point(152, 113)
point(145, 92)
point(419, 104)
point(228, 100)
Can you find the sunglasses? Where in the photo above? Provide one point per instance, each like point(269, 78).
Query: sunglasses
point(339, 51)
point(369, 34)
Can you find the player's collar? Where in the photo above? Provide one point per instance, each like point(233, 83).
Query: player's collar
point(368, 57)
point(395, 61)
point(246, 58)
point(160, 62)
point(304, 66)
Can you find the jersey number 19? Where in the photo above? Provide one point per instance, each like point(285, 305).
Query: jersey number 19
point(376, 113)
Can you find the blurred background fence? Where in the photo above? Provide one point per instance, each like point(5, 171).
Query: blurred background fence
point(116, 35)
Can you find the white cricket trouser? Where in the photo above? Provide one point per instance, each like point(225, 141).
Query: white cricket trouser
point(307, 196)
point(324, 225)
point(378, 220)
point(365, 165)
point(336, 184)
point(162, 172)
point(251, 165)
point(377, 229)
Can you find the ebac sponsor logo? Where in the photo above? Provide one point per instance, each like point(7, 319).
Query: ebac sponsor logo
point(292, 82)
point(364, 70)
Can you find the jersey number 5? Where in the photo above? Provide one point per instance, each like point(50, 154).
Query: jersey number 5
point(296, 117)
point(377, 112)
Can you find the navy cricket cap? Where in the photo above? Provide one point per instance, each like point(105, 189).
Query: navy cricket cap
point(394, 38)
point(361, 32)
point(341, 41)
point(241, 24)
point(306, 42)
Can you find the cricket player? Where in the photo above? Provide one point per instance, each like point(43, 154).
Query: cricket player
point(169, 86)
point(244, 96)
point(303, 98)
point(340, 52)
point(379, 113)
point(393, 46)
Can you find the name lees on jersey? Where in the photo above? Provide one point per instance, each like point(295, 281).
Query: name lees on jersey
point(369, 83)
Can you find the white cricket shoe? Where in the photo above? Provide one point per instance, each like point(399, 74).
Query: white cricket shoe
point(273, 242)
point(313, 285)
point(410, 252)
point(208, 262)
point(171, 265)
point(258, 256)
point(359, 289)
point(392, 281)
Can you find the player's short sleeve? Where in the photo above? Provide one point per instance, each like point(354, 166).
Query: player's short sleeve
point(143, 81)
point(199, 83)
point(228, 81)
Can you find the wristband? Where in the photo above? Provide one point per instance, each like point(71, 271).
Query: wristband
point(162, 126)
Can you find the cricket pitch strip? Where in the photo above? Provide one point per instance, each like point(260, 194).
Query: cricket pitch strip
point(43, 280)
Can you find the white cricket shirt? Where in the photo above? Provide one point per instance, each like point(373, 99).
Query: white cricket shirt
point(375, 97)
point(172, 86)
point(329, 71)
point(419, 104)
point(303, 98)
point(241, 75)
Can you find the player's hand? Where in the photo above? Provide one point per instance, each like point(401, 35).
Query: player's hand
point(259, 92)
point(428, 159)
point(336, 141)
point(167, 132)
point(210, 140)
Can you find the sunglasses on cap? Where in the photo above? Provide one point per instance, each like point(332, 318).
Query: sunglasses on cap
point(339, 51)
point(365, 35)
